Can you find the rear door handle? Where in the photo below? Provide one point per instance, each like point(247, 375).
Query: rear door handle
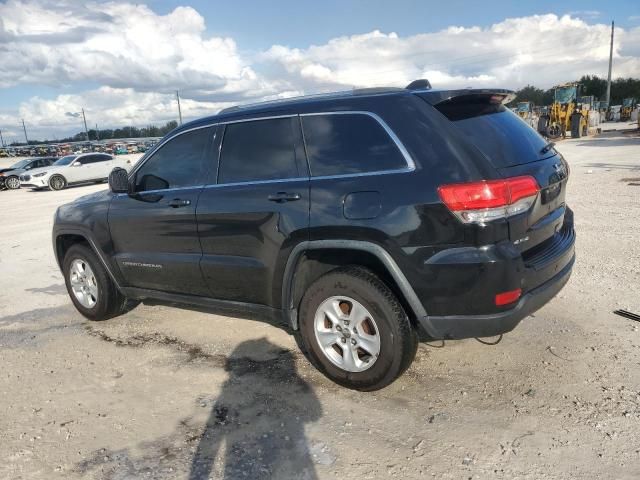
point(282, 197)
point(178, 202)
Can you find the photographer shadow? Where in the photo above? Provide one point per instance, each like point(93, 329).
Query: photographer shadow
point(258, 419)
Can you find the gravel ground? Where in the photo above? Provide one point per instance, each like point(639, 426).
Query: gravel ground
point(168, 393)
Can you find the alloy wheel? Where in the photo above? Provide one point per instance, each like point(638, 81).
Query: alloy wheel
point(12, 183)
point(347, 334)
point(83, 283)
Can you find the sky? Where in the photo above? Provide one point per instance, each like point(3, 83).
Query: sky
point(122, 61)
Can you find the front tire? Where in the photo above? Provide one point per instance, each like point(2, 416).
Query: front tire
point(12, 183)
point(90, 288)
point(355, 331)
point(57, 182)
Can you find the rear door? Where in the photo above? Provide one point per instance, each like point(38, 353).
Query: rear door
point(80, 170)
point(102, 166)
point(514, 149)
point(256, 212)
point(154, 230)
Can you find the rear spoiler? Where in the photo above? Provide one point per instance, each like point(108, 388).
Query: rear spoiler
point(472, 95)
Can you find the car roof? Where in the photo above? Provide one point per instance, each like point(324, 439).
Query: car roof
point(335, 101)
point(327, 100)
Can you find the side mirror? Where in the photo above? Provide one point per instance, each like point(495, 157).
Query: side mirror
point(76, 164)
point(119, 180)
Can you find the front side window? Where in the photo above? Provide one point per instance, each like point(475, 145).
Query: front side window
point(342, 144)
point(181, 162)
point(258, 150)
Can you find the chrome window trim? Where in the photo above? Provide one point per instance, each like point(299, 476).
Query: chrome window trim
point(174, 189)
point(364, 174)
point(259, 182)
point(255, 119)
point(394, 138)
point(407, 157)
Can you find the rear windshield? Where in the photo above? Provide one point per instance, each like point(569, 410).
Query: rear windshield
point(496, 131)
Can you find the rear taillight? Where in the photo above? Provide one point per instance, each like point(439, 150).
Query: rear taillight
point(481, 202)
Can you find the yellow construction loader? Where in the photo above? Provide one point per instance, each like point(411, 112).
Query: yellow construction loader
point(567, 112)
point(628, 104)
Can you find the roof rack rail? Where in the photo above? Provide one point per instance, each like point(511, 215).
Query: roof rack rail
point(420, 84)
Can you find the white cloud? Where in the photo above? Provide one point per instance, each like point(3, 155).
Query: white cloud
point(541, 49)
point(138, 59)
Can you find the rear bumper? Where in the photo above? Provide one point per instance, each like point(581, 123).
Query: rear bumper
point(540, 273)
point(470, 326)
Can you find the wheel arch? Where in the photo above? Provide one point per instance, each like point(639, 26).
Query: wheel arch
point(310, 260)
point(65, 239)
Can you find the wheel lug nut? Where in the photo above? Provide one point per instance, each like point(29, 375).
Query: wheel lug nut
point(353, 341)
point(343, 340)
point(339, 328)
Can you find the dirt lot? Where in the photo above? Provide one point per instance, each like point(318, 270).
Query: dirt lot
point(168, 393)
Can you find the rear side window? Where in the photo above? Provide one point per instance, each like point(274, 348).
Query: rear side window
point(504, 138)
point(258, 150)
point(181, 162)
point(342, 144)
point(88, 159)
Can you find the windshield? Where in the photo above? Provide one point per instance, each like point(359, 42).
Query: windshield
point(20, 164)
point(565, 94)
point(65, 160)
point(627, 102)
point(523, 107)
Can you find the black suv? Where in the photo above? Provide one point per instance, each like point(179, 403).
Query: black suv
point(365, 220)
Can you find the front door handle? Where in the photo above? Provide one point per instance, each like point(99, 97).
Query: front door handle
point(178, 202)
point(282, 197)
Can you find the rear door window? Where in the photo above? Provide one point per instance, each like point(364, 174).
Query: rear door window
point(258, 150)
point(345, 144)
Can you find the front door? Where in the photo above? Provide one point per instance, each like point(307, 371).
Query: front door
point(256, 212)
point(154, 229)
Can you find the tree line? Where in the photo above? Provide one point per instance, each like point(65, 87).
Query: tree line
point(621, 88)
point(112, 134)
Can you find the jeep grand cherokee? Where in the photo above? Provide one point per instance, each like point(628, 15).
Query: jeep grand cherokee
point(365, 221)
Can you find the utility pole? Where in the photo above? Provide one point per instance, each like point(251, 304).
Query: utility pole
point(85, 124)
point(97, 132)
point(610, 63)
point(1, 139)
point(25, 132)
point(179, 111)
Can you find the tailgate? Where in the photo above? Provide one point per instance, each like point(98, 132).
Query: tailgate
point(514, 149)
point(546, 216)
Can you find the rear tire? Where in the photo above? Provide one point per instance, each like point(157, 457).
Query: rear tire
point(90, 287)
point(57, 182)
point(12, 183)
point(367, 338)
point(576, 130)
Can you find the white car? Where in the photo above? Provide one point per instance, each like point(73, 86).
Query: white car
point(73, 169)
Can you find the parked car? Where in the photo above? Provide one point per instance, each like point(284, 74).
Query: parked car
point(72, 170)
point(10, 177)
point(363, 221)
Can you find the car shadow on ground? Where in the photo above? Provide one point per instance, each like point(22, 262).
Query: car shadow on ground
point(254, 428)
